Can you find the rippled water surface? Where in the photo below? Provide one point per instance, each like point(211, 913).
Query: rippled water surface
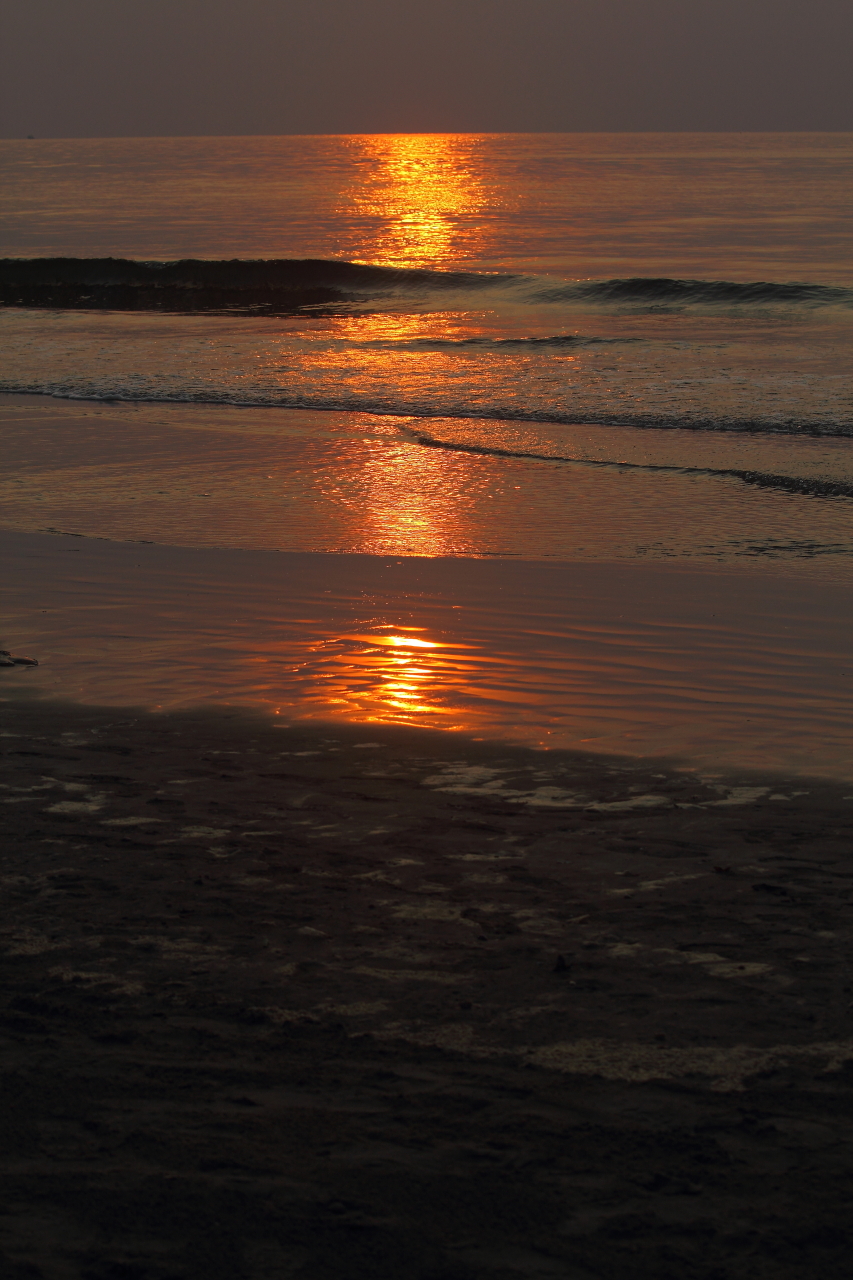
point(707, 206)
point(528, 345)
point(719, 668)
point(471, 352)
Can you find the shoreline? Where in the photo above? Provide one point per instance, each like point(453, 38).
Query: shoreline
point(719, 670)
point(428, 841)
point(378, 998)
point(347, 482)
point(319, 995)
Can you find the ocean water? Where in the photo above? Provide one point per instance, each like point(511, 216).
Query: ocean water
point(538, 346)
point(444, 358)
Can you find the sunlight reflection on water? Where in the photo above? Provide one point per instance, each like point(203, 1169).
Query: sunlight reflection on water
point(400, 679)
point(629, 658)
point(420, 187)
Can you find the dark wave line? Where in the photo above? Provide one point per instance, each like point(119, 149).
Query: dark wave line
point(488, 344)
point(796, 427)
point(288, 284)
point(643, 289)
point(194, 284)
point(807, 486)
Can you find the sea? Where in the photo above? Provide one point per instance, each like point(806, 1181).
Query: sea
point(550, 348)
point(535, 345)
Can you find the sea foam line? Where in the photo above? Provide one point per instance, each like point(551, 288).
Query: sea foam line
point(809, 487)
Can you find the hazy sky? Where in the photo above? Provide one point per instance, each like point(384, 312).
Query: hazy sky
point(89, 68)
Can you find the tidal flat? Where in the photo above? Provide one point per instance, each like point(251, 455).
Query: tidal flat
point(337, 1000)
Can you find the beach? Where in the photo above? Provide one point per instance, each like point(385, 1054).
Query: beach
point(322, 1001)
point(436, 916)
point(293, 989)
point(427, 809)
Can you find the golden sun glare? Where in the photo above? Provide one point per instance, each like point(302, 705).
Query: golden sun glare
point(420, 186)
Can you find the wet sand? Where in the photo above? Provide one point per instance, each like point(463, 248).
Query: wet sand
point(718, 667)
point(344, 1001)
point(294, 991)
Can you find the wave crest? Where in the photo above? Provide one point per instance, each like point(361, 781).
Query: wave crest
point(648, 290)
point(195, 284)
point(288, 284)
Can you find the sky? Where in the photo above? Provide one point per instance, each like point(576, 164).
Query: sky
point(116, 68)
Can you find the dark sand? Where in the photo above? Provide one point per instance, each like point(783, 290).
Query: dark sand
point(279, 1003)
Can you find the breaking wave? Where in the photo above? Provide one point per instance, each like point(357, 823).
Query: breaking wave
point(288, 284)
point(728, 293)
point(201, 285)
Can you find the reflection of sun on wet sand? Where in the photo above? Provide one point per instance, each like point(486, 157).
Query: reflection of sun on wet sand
point(405, 685)
point(716, 668)
point(402, 679)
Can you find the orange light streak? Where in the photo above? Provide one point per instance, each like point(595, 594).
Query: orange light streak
point(420, 187)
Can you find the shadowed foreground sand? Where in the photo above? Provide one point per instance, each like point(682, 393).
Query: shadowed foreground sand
point(290, 1002)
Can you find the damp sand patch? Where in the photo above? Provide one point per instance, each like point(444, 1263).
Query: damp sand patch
point(475, 991)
